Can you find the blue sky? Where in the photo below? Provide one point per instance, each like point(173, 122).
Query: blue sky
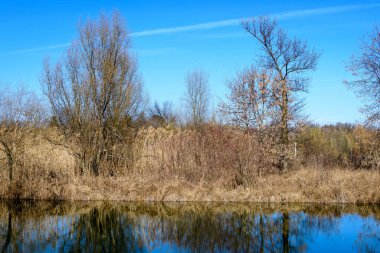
point(172, 37)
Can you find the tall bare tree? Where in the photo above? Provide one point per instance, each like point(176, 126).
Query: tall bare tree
point(96, 92)
point(290, 59)
point(197, 96)
point(20, 114)
point(366, 70)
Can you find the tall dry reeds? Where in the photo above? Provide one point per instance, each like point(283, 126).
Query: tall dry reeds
point(212, 153)
point(211, 163)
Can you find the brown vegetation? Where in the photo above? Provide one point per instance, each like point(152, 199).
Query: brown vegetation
point(94, 95)
point(20, 114)
point(187, 165)
point(97, 142)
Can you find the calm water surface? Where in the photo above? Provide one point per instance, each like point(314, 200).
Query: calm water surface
point(187, 227)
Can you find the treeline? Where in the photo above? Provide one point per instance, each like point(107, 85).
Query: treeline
point(341, 145)
point(98, 115)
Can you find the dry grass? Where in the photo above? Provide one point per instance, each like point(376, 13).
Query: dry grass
point(178, 165)
point(304, 185)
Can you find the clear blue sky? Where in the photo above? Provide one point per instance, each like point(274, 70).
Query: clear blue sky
point(172, 37)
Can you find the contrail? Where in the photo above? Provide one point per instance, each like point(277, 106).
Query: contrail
point(36, 49)
point(225, 23)
point(237, 21)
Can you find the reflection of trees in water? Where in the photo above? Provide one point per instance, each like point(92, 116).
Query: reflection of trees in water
point(303, 227)
point(92, 230)
point(369, 238)
point(137, 227)
point(245, 232)
point(101, 230)
point(25, 233)
point(8, 234)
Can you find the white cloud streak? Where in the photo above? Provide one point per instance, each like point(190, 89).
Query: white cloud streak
point(237, 21)
point(37, 49)
point(197, 27)
point(225, 23)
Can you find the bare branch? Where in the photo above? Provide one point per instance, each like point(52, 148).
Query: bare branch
point(197, 96)
point(366, 70)
point(96, 93)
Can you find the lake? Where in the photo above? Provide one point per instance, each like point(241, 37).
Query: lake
point(187, 227)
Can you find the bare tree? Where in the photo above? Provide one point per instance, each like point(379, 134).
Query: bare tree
point(251, 102)
point(96, 92)
point(20, 114)
point(366, 70)
point(289, 59)
point(162, 115)
point(197, 96)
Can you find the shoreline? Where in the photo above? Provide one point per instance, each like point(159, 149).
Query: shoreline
point(308, 185)
point(201, 202)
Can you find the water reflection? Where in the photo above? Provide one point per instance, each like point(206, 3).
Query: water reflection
point(137, 227)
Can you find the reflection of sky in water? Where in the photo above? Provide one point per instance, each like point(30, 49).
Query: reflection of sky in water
point(347, 238)
point(169, 247)
point(189, 228)
point(344, 238)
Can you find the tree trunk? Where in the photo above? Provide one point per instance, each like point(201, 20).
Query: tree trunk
point(10, 158)
point(284, 134)
point(10, 163)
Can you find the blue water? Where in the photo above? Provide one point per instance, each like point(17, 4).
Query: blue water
point(187, 227)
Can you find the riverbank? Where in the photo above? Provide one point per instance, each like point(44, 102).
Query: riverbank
point(303, 185)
